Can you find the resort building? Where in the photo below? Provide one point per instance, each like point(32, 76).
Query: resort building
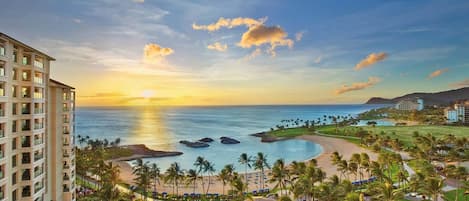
point(36, 127)
point(410, 104)
point(458, 113)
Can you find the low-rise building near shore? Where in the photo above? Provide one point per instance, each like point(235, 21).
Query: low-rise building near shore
point(410, 104)
point(36, 127)
point(459, 112)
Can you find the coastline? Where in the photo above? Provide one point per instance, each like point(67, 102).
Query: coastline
point(328, 144)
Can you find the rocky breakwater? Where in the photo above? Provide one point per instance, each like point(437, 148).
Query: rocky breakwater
point(196, 144)
point(227, 140)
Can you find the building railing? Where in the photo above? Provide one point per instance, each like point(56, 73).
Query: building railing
point(2, 155)
point(66, 132)
point(38, 80)
point(38, 157)
point(2, 113)
point(1, 174)
point(38, 126)
point(38, 173)
point(26, 193)
point(38, 110)
point(38, 141)
point(37, 188)
point(38, 64)
point(2, 133)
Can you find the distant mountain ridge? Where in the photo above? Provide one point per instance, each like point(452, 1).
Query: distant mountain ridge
point(438, 98)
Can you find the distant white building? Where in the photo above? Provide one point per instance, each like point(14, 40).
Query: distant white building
point(458, 113)
point(410, 104)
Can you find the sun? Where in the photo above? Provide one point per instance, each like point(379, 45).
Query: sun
point(147, 93)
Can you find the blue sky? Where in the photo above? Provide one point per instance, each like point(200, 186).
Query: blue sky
point(100, 45)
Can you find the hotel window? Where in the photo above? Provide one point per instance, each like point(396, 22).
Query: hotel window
point(65, 107)
point(15, 56)
point(14, 161)
point(25, 125)
point(38, 139)
point(2, 69)
point(72, 95)
point(14, 178)
point(2, 132)
point(38, 62)
point(2, 50)
point(38, 93)
point(38, 124)
point(25, 108)
point(14, 195)
point(38, 155)
point(25, 141)
point(14, 108)
point(2, 109)
point(14, 91)
point(2, 89)
point(26, 75)
point(26, 59)
point(65, 95)
point(2, 171)
point(14, 73)
point(14, 143)
point(26, 158)
point(13, 126)
point(26, 191)
point(38, 78)
point(26, 92)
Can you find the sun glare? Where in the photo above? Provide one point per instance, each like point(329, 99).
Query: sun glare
point(147, 93)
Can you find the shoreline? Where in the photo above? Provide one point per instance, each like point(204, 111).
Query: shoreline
point(328, 145)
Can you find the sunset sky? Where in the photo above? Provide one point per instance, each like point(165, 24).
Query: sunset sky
point(135, 52)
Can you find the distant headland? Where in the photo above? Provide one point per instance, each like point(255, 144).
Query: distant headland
point(438, 98)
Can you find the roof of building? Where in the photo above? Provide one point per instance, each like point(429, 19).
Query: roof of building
point(61, 84)
point(27, 46)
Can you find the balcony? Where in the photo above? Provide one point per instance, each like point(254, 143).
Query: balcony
point(38, 111)
point(38, 64)
point(66, 155)
point(1, 174)
point(38, 173)
point(2, 155)
point(2, 113)
point(66, 177)
point(25, 111)
point(66, 132)
point(66, 166)
point(25, 160)
point(66, 109)
point(66, 144)
point(37, 188)
point(38, 126)
point(38, 157)
point(66, 189)
point(26, 193)
point(2, 133)
point(26, 176)
point(38, 141)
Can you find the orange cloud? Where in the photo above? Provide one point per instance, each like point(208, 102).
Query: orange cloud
point(370, 60)
point(260, 34)
point(358, 86)
point(464, 83)
point(154, 53)
point(229, 23)
point(218, 47)
point(437, 73)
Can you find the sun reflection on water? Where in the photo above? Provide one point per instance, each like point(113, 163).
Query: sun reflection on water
point(151, 130)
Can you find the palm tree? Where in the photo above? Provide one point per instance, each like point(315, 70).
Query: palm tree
point(260, 164)
point(433, 187)
point(224, 177)
point(155, 173)
point(142, 179)
point(280, 175)
point(191, 178)
point(386, 192)
point(173, 175)
point(245, 160)
point(209, 168)
point(199, 165)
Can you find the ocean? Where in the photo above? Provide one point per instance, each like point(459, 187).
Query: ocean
point(161, 128)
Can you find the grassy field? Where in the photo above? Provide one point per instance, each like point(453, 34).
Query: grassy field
point(451, 195)
point(291, 132)
point(404, 133)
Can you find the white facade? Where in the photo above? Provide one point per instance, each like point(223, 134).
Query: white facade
point(410, 105)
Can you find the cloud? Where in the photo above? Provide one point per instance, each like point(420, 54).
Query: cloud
point(358, 86)
point(260, 34)
point(218, 47)
point(437, 73)
point(104, 94)
point(253, 54)
point(229, 23)
point(464, 83)
point(318, 60)
point(139, 1)
point(370, 60)
point(257, 34)
point(154, 53)
point(299, 35)
point(78, 21)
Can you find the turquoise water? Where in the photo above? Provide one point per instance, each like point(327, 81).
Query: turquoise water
point(162, 128)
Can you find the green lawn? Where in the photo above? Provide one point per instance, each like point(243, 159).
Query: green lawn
point(451, 195)
point(404, 133)
point(291, 132)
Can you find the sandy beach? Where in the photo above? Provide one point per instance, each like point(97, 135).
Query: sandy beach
point(329, 145)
